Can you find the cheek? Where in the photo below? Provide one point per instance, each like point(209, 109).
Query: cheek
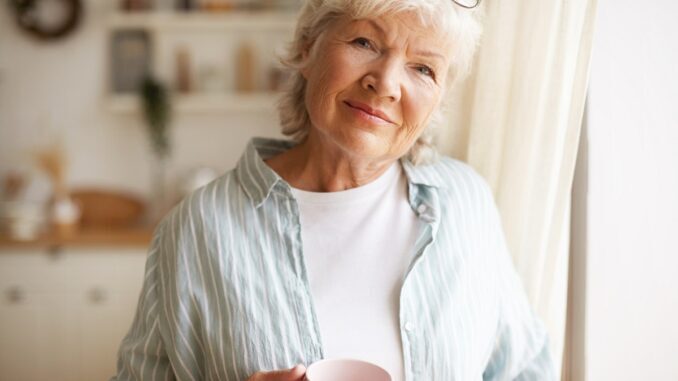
point(419, 107)
point(417, 111)
point(338, 67)
point(330, 75)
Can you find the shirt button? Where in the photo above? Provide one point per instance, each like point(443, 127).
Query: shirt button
point(409, 326)
point(422, 208)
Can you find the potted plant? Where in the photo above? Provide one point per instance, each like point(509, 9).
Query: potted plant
point(157, 111)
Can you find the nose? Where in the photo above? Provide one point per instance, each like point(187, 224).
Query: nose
point(384, 79)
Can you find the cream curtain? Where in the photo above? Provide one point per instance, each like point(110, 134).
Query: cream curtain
point(517, 119)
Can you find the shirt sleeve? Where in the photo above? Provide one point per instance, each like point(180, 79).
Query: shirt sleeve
point(142, 354)
point(521, 350)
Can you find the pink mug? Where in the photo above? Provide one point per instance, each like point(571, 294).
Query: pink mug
point(345, 370)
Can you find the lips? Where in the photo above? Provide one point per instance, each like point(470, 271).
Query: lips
point(372, 111)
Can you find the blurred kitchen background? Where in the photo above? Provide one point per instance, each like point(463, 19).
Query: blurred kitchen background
point(89, 161)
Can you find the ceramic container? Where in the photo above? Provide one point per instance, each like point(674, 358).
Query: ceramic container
point(345, 370)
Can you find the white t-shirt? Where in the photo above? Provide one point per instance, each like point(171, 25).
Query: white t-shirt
point(357, 246)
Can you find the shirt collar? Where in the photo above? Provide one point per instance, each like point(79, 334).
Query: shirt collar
point(258, 179)
point(422, 174)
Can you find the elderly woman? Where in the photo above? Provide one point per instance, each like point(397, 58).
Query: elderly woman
point(351, 240)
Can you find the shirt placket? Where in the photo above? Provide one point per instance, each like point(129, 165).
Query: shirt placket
point(302, 299)
point(424, 203)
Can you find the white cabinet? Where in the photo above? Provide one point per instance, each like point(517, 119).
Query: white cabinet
point(63, 316)
point(24, 336)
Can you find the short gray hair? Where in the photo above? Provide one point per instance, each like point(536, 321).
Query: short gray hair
point(462, 26)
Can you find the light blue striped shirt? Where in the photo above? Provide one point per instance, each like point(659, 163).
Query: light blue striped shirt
point(226, 290)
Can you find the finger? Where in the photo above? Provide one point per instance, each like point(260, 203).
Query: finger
point(296, 373)
point(293, 374)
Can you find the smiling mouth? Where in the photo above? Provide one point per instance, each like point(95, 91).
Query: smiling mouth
point(368, 113)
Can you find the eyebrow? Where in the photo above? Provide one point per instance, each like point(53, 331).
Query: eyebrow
point(428, 53)
point(424, 53)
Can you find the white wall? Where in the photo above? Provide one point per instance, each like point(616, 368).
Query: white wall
point(632, 264)
point(58, 89)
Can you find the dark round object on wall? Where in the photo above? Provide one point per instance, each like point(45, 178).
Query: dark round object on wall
point(47, 19)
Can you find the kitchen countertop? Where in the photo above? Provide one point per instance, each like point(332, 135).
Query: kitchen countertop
point(133, 236)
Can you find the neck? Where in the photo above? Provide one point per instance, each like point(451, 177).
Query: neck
point(316, 166)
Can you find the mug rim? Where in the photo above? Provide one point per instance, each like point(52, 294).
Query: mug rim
point(345, 360)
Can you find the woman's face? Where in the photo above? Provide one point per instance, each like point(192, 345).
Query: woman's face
point(374, 83)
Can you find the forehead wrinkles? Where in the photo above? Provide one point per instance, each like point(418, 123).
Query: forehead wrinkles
point(394, 29)
point(406, 32)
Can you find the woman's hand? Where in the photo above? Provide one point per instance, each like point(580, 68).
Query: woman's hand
point(295, 374)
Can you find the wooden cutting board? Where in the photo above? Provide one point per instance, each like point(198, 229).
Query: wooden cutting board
point(103, 208)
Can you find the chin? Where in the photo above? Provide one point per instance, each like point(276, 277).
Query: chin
point(367, 145)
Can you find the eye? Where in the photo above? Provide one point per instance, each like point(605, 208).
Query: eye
point(425, 70)
point(362, 42)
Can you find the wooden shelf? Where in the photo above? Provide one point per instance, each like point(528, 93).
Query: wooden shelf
point(235, 20)
point(137, 236)
point(198, 103)
point(276, 23)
